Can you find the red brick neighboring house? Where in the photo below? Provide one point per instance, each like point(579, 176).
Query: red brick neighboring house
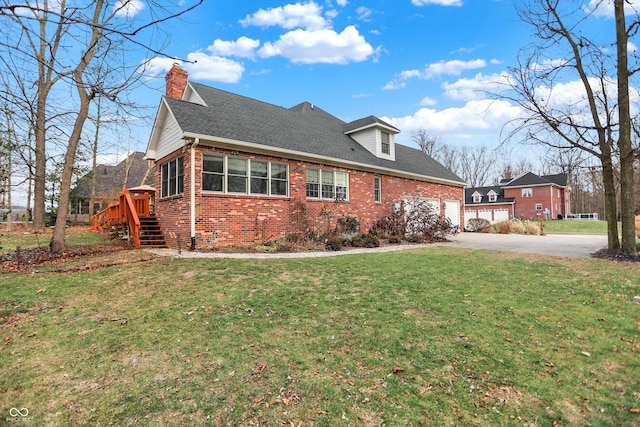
point(528, 196)
point(234, 171)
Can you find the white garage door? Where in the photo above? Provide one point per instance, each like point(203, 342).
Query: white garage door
point(469, 215)
point(486, 214)
point(501, 215)
point(452, 211)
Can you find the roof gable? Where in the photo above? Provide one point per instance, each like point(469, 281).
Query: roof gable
point(303, 130)
point(530, 179)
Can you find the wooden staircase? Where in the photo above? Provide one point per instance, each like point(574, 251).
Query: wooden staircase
point(150, 233)
point(132, 217)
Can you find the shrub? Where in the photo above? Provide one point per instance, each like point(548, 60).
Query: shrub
point(394, 239)
point(333, 244)
point(517, 227)
point(414, 238)
point(392, 225)
point(478, 224)
point(532, 228)
point(370, 241)
point(348, 225)
point(503, 227)
point(357, 241)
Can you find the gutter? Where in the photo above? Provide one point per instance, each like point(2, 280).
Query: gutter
point(297, 155)
point(192, 191)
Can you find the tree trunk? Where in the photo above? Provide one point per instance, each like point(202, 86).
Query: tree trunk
point(85, 94)
point(39, 178)
point(627, 202)
point(610, 204)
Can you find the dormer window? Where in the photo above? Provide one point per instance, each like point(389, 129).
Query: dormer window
point(493, 196)
point(477, 197)
point(385, 144)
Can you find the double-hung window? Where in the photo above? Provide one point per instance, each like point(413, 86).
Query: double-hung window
point(172, 177)
point(377, 189)
point(327, 184)
point(385, 146)
point(224, 174)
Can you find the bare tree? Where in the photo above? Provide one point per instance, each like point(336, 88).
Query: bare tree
point(589, 123)
point(428, 143)
point(81, 47)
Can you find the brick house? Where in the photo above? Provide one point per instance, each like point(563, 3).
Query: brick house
point(528, 196)
point(234, 171)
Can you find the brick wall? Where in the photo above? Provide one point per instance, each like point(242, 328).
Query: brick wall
point(245, 220)
point(547, 196)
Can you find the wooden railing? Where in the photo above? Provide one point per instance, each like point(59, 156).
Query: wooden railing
point(128, 210)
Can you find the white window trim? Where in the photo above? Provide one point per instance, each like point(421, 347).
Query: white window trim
point(324, 171)
point(225, 176)
point(377, 189)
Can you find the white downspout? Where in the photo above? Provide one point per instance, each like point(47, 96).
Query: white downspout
point(192, 191)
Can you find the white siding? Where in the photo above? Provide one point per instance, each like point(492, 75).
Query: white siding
point(366, 138)
point(170, 138)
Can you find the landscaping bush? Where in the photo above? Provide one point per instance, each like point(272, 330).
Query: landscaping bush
point(517, 227)
point(423, 219)
point(394, 239)
point(370, 241)
point(356, 241)
point(333, 244)
point(503, 227)
point(392, 225)
point(532, 228)
point(478, 225)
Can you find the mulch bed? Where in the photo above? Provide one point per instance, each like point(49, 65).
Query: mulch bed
point(615, 256)
point(26, 260)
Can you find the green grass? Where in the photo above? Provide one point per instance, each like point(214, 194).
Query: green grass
point(24, 238)
point(435, 336)
point(575, 227)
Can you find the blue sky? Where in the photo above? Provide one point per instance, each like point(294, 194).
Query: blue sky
point(418, 64)
point(415, 63)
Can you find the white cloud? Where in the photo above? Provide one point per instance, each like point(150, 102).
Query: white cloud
point(243, 47)
point(128, 8)
point(213, 68)
point(477, 117)
point(606, 9)
point(342, 2)
point(455, 67)
point(364, 13)
point(437, 2)
point(321, 46)
point(207, 67)
point(427, 102)
point(299, 15)
point(394, 85)
point(477, 87)
point(157, 67)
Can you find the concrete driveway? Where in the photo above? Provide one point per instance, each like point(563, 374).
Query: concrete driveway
point(572, 245)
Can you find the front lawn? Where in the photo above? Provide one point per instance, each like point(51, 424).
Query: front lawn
point(570, 226)
point(434, 336)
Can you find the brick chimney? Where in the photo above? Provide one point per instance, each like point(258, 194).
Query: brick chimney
point(176, 80)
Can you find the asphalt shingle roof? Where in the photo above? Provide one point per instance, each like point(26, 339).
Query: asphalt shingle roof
point(303, 128)
point(484, 191)
point(530, 178)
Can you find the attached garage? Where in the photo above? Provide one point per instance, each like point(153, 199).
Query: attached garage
point(486, 214)
point(452, 211)
point(500, 215)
